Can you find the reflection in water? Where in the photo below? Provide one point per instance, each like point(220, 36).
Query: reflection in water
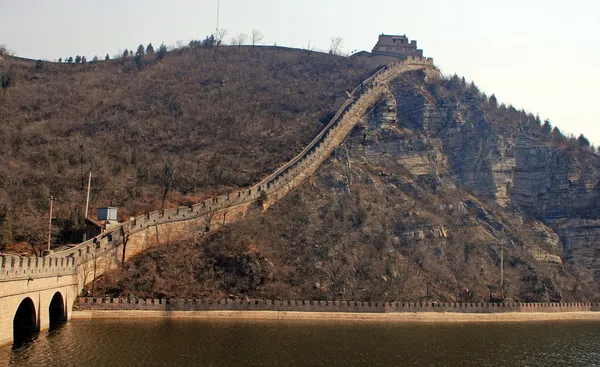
point(180, 342)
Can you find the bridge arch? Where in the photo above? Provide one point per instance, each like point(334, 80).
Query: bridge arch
point(25, 323)
point(57, 310)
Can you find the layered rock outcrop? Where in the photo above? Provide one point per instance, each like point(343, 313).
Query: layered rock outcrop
point(458, 138)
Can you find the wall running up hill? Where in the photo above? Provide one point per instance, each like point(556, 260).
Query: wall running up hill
point(128, 239)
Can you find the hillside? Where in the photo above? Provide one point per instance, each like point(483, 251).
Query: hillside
point(197, 122)
point(416, 205)
point(419, 202)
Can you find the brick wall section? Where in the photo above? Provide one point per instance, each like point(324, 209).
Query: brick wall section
point(16, 267)
point(85, 303)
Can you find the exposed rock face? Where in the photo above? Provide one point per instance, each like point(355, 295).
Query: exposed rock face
point(455, 138)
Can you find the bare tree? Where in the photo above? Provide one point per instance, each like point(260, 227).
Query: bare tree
point(240, 39)
point(208, 217)
point(257, 36)
point(168, 177)
point(92, 266)
point(309, 50)
point(335, 45)
point(31, 229)
point(219, 37)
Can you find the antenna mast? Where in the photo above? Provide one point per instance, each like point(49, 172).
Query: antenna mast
point(218, 9)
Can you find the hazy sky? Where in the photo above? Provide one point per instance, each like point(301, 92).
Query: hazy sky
point(541, 55)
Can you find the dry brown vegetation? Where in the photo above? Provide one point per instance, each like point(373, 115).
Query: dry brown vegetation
point(374, 232)
point(195, 123)
point(377, 239)
point(174, 130)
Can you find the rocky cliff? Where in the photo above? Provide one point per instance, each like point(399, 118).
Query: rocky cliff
point(448, 132)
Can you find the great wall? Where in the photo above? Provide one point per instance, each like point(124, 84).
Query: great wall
point(119, 304)
point(126, 240)
point(66, 272)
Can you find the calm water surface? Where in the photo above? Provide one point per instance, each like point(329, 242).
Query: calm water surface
point(184, 342)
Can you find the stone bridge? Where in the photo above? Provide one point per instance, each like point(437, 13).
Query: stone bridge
point(37, 292)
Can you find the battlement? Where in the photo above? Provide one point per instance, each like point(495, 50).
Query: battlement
point(17, 267)
point(86, 303)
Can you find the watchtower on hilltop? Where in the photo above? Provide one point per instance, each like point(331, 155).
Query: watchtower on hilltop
point(396, 46)
point(390, 49)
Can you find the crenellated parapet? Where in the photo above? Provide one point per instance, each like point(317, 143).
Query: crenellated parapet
point(115, 304)
point(15, 267)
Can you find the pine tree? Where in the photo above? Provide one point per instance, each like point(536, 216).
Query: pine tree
point(209, 42)
point(493, 101)
point(149, 49)
point(557, 135)
point(139, 56)
point(583, 141)
point(162, 51)
point(546, 127)
point(107, 57)
point(77, 59)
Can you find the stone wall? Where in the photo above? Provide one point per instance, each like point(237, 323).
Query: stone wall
point(118, 244)
point(324, 306)
point(14, 267)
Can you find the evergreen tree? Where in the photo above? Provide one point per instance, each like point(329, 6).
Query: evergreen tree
point(557, 135)
point(139, 56)
point(70, 60)
point(7, 80)
point(547, 127)
point(209, 42)
point(83, 60)
point(149, 49)
point(493, 101)
point(474, 88)
point(77, 59)
point(107, 57)
point(162, 51)
point(583, 141)
point(125, 53)
point(60, 60)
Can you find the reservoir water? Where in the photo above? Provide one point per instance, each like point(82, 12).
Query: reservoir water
point(193, 342)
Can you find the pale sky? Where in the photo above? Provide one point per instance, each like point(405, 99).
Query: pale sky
point(541, 55)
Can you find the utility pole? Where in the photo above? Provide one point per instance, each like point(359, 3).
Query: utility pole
point(50, 223)
point(87, 201)
point(502, 269)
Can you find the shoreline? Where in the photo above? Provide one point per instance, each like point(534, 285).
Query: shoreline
point(408, 317)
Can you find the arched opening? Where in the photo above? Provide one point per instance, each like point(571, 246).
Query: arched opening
point(25, 323)
point(56, 310)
